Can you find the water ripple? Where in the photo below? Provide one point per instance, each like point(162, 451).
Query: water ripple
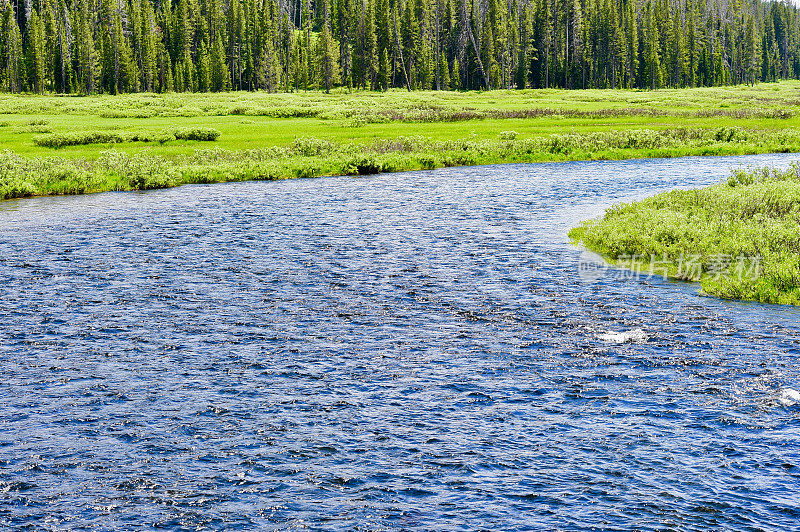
point(411, 351)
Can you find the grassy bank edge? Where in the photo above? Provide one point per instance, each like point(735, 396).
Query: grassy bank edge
point(182, 173)
point(739, 239)
point(670, 272)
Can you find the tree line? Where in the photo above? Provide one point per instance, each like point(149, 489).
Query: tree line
point(115, 46)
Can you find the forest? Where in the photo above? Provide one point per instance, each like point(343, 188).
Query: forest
point(122, 46)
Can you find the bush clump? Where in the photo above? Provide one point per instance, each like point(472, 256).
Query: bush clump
point(197, 133)
point(81, 138)
point(364, 165)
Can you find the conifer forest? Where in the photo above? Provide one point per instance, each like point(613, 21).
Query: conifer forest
point(121, 46)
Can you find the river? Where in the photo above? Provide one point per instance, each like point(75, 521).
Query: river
point(411, 351)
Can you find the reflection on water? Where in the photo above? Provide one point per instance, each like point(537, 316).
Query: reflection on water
point(405, 351)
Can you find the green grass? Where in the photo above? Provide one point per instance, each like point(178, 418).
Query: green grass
point(740, 239)
point(72, 141)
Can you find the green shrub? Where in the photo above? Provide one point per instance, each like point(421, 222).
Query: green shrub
point(427, 162)
point(78, 138)
point(311, 147)
point(730, 134)
point(166, 135)
point(197, 133)
point(307, 170)
point(19, 189)
point(364, 165)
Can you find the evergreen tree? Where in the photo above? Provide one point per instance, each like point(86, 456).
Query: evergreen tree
point(328, 57)
point(455, 78)
point(149, 48)
point(220, 75)
point(444, 73)
point(87, 59)
point(203, 69)
point(36, 53)
point(14, 77)
point(652, 61)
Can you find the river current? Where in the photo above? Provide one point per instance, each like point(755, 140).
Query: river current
point(407, 351)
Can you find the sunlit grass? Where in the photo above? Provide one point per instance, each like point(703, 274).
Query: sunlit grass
point(445, 128)
point(740, 239)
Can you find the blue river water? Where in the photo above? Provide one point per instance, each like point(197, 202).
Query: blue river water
point(407, 351)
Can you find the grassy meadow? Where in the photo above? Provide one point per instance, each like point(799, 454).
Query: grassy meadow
point(73, 145)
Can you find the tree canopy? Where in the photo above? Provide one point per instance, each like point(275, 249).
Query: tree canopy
point(113, 46)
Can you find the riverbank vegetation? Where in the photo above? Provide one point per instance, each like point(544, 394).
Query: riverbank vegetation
point(739, 238)
point(69, 144)
point(117, 46)
point(310, 157)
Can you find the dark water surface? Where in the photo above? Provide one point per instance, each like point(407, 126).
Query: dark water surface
point(411, 351)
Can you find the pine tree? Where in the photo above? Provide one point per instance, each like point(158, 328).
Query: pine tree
point(444, 73)
point(117, 65)
point(751, 51)
point(455, 78)
point(328, 57)
point(203, 69)
point(652, 62)
point(526, 51)
point(632, 41)
point(86, 56)
point(63, 73)
point(411, 42)
point(268, 71)
point(149, 48)
point(14, 66)
point(384, 77)
point(36, 53)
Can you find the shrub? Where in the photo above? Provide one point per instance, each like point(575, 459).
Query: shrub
point(18, 189)
point(311, 147)
point(364, 165)
point(165, 135)
point(307, 170)
point(730, 134)
point(78, 138)
point(426, 161)
point(197, 133)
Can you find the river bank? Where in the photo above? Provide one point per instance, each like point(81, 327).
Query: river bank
point(116, 170)
point(739, 239)
point(73, 145)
